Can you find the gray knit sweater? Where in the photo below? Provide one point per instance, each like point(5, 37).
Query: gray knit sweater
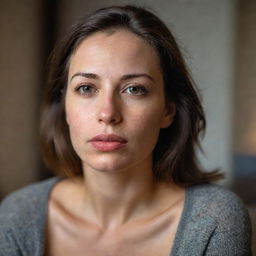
point(214, 222)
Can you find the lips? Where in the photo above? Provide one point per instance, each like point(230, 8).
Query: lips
point(107, 142)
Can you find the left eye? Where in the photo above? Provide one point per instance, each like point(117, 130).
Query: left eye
point(86, 89)
point(136, 90)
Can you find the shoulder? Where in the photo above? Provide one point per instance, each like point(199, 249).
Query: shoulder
point(20, 202)
point(226, 216)
point(22, 215)
point(217, 202)
point(214, 195)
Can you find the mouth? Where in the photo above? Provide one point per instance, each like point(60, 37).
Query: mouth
point(108, 142)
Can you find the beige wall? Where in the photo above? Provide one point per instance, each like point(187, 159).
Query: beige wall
point(245, 80)
point(19, 88)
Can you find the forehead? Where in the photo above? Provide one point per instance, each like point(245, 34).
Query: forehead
point(120, 50)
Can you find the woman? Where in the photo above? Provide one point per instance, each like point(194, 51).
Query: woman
point(120, 122)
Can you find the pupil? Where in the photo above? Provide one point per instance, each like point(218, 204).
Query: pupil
point(134, 89)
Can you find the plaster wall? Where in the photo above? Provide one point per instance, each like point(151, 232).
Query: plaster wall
point(19, 88)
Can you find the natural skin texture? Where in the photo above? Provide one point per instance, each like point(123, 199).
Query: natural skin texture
point(115, 86)
point(110, 107)
point(214, 222)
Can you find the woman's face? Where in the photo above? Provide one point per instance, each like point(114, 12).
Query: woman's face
point(115, 104)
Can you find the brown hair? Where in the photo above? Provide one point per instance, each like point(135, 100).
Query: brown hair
point(174, 155)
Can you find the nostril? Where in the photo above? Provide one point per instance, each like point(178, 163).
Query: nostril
point(110, 116)
point(109, 111)
point(109, 119)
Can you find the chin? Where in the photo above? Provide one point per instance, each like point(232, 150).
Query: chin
point(107, 165)
point(107, 169)
point(114, 163)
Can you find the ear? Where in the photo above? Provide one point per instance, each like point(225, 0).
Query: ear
point(168, 115)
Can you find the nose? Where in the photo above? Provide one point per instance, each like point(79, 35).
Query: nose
point(109, 110)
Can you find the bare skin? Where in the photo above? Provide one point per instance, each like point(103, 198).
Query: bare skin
point(150, 232)
point(115, 86)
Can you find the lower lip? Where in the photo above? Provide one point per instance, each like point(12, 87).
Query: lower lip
point(107, 146)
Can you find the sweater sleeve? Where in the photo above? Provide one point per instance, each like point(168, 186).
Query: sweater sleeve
point(232, 235)
point(8, 243)
point(22, 220)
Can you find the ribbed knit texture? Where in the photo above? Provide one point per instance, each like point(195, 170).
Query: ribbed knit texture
point(214, 222)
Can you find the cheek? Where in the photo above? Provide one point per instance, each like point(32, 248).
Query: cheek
point(146, 123)
point(145, 135)
point(78, 124)
point(77, 116)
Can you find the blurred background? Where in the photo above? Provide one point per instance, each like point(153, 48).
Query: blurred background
point(218, 40)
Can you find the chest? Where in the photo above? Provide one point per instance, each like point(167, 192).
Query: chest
point(152, 239)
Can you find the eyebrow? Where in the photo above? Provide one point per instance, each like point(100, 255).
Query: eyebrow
point(123, 78)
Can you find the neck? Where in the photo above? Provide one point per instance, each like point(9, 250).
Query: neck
point(115, 198)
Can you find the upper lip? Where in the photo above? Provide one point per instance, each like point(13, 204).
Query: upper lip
point(108, 137)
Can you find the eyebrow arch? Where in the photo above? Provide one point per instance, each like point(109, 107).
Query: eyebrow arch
point(86, 75)
point(130, 76)
point(123, 78)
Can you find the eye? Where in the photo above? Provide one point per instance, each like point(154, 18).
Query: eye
point(86, 89)
point(136, 90)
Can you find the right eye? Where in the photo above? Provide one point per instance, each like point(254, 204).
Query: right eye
point(86, 89)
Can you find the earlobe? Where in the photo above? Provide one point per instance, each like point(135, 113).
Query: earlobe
point(169, 115)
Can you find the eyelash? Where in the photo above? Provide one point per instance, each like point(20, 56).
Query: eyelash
point(141, 89)
point(82, 86)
